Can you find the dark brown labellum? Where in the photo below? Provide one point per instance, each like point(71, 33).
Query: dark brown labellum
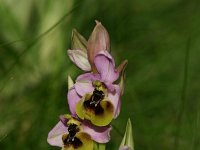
point(71, 138)
point(94, 102)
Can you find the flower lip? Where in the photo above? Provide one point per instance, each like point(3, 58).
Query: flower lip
point(82, 140)
point(96, 106)
point(96, 97)
point(71, 139)
point(93, 103)
point(101, 115)
point(75, 142)
point(75, 138)
point(85, 85)
point(72, 129)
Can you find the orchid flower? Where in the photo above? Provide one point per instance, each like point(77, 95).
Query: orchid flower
point(94, 96)
point(74, 134)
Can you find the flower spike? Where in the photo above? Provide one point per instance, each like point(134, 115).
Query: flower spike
point(94, 98)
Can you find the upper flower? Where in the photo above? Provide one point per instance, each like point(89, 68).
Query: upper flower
point(71, 133)
point(83, 52)
point(94, 96)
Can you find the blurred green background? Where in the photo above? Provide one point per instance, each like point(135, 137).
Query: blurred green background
point(161, 40)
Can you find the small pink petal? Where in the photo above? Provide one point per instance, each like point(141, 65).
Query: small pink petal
point(55, 135)
point(73, 99)
point(106, 67)
point(98, 134)
point(80, 58)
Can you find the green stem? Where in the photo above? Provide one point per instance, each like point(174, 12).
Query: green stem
point(183, 96)
point(102, 146)
point(99, 146)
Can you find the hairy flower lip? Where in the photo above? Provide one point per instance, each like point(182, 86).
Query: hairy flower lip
point(81, 141)
point(71, 139)
point(100, 115)
point(75, 143)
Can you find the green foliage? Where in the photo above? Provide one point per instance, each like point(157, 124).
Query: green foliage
point(98, 146)
point(128, 136)
point(160, 39)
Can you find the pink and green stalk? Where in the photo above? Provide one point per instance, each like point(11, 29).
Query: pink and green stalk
point(94, 98)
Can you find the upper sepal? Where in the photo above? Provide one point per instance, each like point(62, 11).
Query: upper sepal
point(98, 41)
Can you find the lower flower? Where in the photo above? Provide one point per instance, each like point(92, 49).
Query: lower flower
point(70, 133)
point(79, 141)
